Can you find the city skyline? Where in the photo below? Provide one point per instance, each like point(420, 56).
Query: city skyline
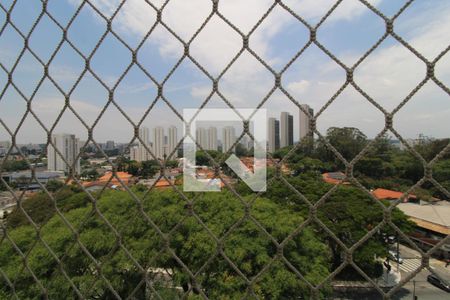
point(161, 145)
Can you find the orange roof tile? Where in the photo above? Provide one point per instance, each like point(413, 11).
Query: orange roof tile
point(390, 195)
point(123, 176)
point(163, 183)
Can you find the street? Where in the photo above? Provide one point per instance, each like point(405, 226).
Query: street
point(418, 285)
point(423, 289)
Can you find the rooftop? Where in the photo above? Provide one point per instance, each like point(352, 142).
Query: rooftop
point(109, 179)
point(334, 177)
point(27, 174)
point(435, 217)
point(389, 194)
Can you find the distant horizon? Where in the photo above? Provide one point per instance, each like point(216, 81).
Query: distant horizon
point(237, 135)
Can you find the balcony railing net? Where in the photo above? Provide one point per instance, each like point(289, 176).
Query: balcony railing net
point(61, 263)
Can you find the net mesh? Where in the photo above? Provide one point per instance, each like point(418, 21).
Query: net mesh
point(120, 244)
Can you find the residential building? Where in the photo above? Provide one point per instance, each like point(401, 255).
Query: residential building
point(286, 130)
point(212, 138)
point(110, 145)
point(335, 178)
point(68, 146)
point(24, 180)
point(228, 138)
point(274, 135)
point(159, 149)
point(4, 147)
point(172, 141)
point(144, 136)
point(432, 224)
point(140, 153)
point(202, 138)
point(246, 142)
point(134, 153)
point(5, 144)
point(304, 121)
point(290, 130)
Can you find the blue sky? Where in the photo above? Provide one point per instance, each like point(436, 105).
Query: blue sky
point(388, 74)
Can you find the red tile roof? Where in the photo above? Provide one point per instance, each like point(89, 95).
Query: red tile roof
point(123, 176)
point(162, 182)
point(390, 195)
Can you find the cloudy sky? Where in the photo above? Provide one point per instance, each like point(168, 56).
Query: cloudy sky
point(388, 75)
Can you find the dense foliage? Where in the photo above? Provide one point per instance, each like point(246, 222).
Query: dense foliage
point(348, 212)
point(144, 169)
point(246, 246)
point(14, 165)
point(191, 230)
point(382, 166)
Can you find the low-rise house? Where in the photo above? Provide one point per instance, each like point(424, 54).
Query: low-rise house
point(334, 178)
point(164, 183)
point(384, 194)
point(432, 220)
point(25, 181)
point(109, 180)
point(7, 202)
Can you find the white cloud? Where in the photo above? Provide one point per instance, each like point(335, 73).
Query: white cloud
point(185, 17)
point(387, 74)
point(299, 87)
point(314, 10)
point(391, 73)
point(200, 92)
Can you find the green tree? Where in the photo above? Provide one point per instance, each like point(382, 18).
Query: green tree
point(41, 207)
point(54, 185)
point(348, 212)
point(280, 153)
point(407, 166)
point(202, 158)
point(429, 147)
point(122, 163)
point(149, 168)
point(374, 167)
point(308, 164)
point(13, 165)
point(241, 150)
point(133, 168)
point(90, 174)
point(172, 163)
point(247, 246)
point(441, 170)
point(348, 141)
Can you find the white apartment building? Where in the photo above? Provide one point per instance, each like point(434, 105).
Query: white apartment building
point(202, 138)
point(172, 141)
point(228, 138)
point(212, 138)
point(68, 147)
point(139, 153)
point(159, 149)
